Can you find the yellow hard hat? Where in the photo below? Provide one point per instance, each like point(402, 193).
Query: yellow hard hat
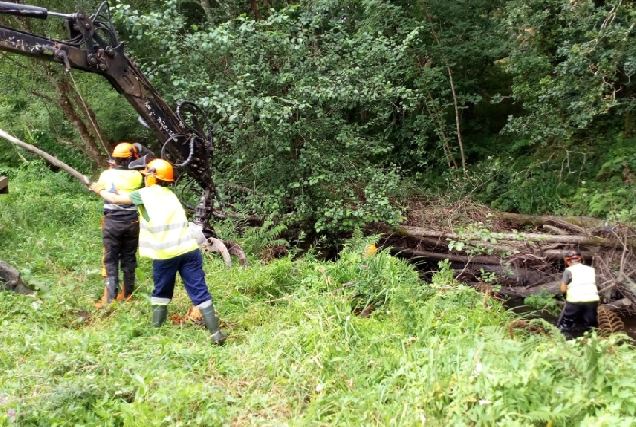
point(160, 169)
point(125, 150)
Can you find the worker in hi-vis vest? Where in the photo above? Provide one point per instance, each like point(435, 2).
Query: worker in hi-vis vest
point(120, 224)
point(165, 237)
point(581, 301)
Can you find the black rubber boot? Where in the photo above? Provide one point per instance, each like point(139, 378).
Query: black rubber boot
point(159, 315)
point(110, 291)
point(212, 323)
point(111, 283)
point(129, 284)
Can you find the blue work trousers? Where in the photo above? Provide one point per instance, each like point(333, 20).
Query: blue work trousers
point(190, 268)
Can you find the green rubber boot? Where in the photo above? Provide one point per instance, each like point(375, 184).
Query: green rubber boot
point(212, 323)
point(159, 315)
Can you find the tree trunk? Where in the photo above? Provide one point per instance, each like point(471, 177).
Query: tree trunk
point(93, 125)
point(452, 86)
point(254, 7)
point(574, 224)
point(70, 109)
point(205, 5)
point(514, 237)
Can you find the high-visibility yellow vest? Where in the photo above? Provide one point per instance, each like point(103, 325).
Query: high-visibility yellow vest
point(166, 235)
point(122, 181)
point(582, 288)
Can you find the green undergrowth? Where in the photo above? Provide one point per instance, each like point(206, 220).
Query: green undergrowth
point(428, 354)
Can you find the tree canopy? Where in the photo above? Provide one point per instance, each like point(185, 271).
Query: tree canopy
point(330, 113)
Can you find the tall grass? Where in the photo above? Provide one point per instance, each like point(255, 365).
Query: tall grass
point(430, 354)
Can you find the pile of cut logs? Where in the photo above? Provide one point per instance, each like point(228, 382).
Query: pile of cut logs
point(525, 255)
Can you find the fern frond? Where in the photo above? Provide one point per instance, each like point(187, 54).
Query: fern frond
point(609, 322)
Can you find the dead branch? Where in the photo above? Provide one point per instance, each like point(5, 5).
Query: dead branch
point(454, 258)
point(555, 230)
point(574, 224)
point(518, 237)
point(52, 160)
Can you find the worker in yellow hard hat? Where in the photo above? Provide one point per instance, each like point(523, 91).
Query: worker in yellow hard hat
point(166, 238)
point(120, 225)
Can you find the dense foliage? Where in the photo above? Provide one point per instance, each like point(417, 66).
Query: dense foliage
point(434, 354)
point(329, 114)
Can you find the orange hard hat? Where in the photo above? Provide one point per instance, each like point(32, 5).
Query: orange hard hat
point(125, 150)
point(160, 169)
point(573, 256)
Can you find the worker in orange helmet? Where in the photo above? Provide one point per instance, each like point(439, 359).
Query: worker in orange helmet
point(166, 238)
point(581, 301)
point(120, 225)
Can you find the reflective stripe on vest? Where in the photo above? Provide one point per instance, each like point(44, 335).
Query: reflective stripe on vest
point(167, 234)
point(122, 181)
point(582, 288)
point(117, 207)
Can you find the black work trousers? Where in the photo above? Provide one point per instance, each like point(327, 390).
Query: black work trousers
point(121, 238)
point(579, 314)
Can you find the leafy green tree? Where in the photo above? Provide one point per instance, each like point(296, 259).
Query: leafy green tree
point(572, 64)
point(320, 108)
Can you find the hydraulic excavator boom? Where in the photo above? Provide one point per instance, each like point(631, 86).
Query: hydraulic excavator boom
point(93, 46)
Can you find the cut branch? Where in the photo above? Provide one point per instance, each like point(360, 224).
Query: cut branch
point(52, 160)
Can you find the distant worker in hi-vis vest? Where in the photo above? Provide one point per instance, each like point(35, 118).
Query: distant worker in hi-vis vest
point(581, 301)
point(166, 237)
point(120, 224)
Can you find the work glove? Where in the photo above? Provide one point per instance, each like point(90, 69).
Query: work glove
point(142, 150)
point(141, 162)
point(96, 187)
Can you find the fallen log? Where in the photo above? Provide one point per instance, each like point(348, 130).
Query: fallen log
point(443, 256)
point(551, 254)
point(550, 288)
point(621, 304)
point(506, 275)
point(555, 230)
point(10, 280)
point(515, 237)
point(576, 224)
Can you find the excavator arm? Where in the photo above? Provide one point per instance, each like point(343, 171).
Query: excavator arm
point(93, 46)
